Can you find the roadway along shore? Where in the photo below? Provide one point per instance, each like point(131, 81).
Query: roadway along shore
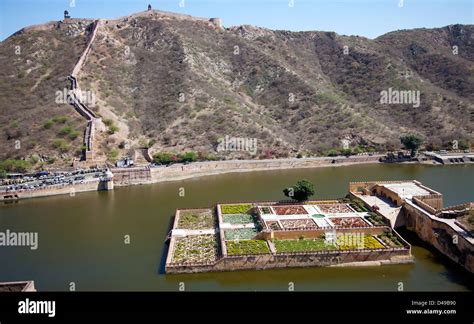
point(147, 174)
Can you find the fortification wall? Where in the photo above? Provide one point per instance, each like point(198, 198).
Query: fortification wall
point(355, 186)
point(435, 201)
point(424, 205)
point(84, 55)
point(441, 236)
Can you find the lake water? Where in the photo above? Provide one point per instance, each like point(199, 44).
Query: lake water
point(82, 238)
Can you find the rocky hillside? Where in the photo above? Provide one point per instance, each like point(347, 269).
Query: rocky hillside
point(37, 123)
point(178, 83)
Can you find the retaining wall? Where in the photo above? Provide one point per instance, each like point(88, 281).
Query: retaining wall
point(293, 260)
point(53, 190)
point(131, 176)
point(183, 171)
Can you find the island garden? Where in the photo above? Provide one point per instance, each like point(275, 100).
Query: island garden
point(296, 233)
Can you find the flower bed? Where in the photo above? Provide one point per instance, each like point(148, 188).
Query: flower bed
point(334, 208)
point(196, 219)
point(298, 223)
point(273, 225)
point(391, 240)
point(290, 210)
point(285, 246)
point(375, 219)
point(238, 218)
point(247, 247)
point(348, 222)
point(240, 234)
point(323, 202)
point(266, 210)
point(235, 209)
point(196, 248)
point(358, 206)
point(361, 241)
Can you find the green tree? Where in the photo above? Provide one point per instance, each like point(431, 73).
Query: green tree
point(332, 152)
point(301, 191)
point(358, 150)
point(11, 165)
point(411, 142)
point(162, 158)
point(188, 157)
point(346, 152)
point(464, 144)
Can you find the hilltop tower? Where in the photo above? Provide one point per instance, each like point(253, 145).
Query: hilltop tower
point(216, 22)
point(149, 7)
point(66, 14)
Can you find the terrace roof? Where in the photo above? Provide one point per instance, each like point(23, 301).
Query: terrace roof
point(407, 190)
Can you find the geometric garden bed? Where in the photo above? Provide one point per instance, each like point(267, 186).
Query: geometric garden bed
point(195, 248)
point(196, 219)
point(349, 222)
point(238, 218)
point(240, 234)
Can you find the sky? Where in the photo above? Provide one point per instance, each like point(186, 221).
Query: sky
point(369, 18)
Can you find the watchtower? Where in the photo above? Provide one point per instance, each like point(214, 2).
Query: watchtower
point(216, 22)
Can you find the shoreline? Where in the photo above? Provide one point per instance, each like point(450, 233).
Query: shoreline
point(145, 175)
point(192, 175)
point(177, 172)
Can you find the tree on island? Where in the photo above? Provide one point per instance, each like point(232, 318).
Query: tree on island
point(149, 7)
point(301, 191)
point(411, 142)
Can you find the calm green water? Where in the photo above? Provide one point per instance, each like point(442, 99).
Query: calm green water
point(81, 238)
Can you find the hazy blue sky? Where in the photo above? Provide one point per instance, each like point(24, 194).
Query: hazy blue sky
point(369, 18)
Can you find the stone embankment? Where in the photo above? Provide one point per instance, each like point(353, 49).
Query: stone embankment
point(181, 171)
point(146, 175)
point(54, 190)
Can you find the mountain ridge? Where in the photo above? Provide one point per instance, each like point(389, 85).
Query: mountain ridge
point(296, 92)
